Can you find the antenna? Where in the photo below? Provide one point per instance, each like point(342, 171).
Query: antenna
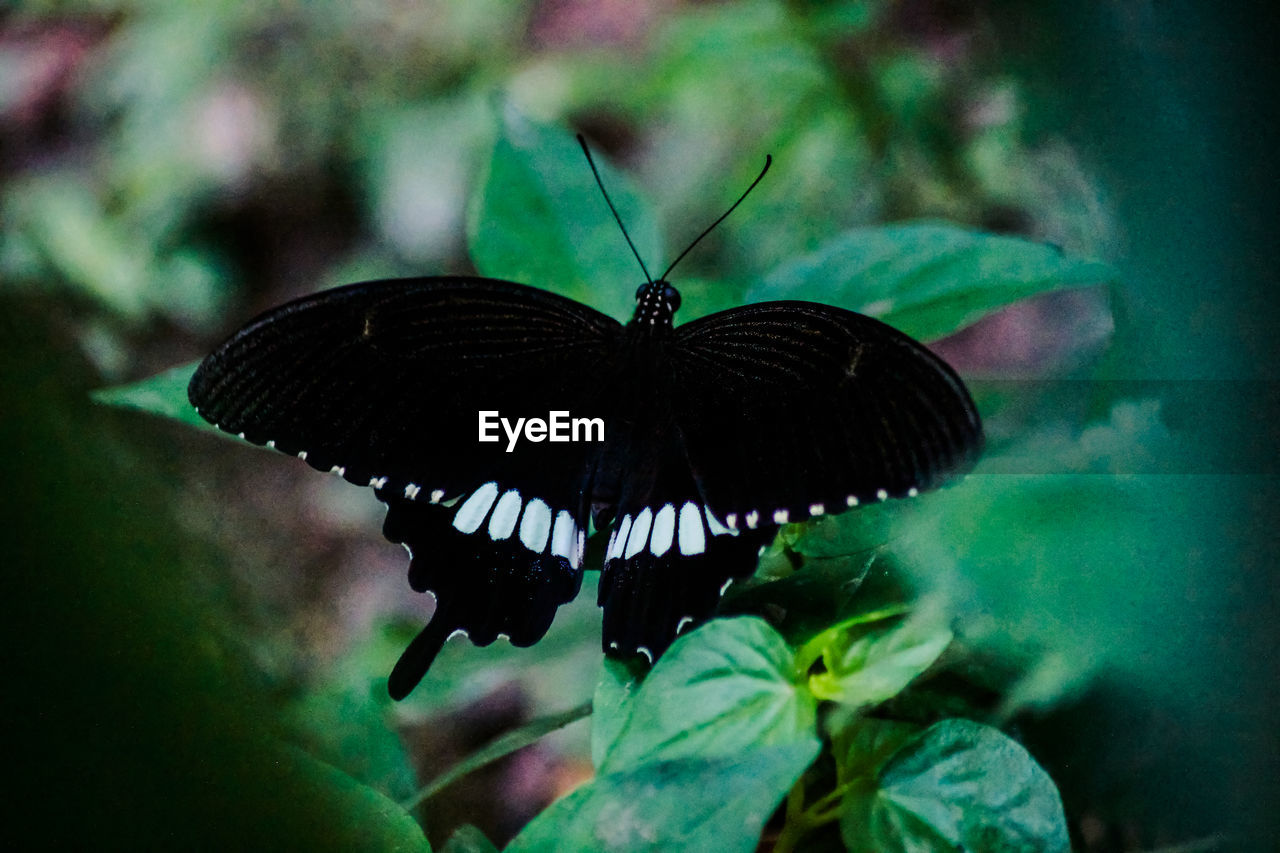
point(614, 210)
point(768, 161)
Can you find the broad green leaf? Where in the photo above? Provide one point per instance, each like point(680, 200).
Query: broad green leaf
point(468, 839)
point(927, 279)
point(163, 394)
point(804, 601)
point(864, 745)
point(865, 668)
point(855, 532)
point(372, 821)
point(959, 786)
point(1072, 574)
point(611, 706)
point(501, 747)
point(350, 730)
point(727, 686)
point(691, 804)
point(539, 219)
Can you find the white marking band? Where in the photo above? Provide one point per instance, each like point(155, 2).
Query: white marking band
point(639, 533)
point(503, 521)
point(473, 510)
point(692, 538)
point(535, 527)
point(664, 530)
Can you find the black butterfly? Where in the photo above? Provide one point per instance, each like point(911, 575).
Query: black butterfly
point(714, 433)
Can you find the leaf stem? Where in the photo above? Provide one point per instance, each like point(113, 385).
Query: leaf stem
point(802, 820)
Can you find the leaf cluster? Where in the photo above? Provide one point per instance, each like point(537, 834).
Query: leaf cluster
point(741, 714)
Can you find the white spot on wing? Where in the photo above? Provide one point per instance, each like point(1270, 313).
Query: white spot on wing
point(852, 500)
point(240, 436)
point(692, 538)
point(684, 622)
point(912, 492)
point(732, 520)
point(271, 443)
point(473, 510)
point(724, 587)
point(647, 654)
point(535, 526)
point(623, 531)
point(302, 454)
point(377, 482)
point(780, 516)
point(411, 491)
point(664, 530)
point(816, 509)
point(882, 495)
point(639, 533)
point(753, 518)
point(338, 469)
point(437, 495)
point(563, 535)
point(503, 521)
point(718, 529)
point(457, 633)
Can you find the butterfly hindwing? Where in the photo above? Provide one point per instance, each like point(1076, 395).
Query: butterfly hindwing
point(498, 562)
point(793, 409)
point(669, 559)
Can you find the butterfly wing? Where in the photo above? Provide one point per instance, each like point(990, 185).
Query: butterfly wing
point(383, 383)
point(385, 379)
point(763, 415)
point(669, 560)
point(793, 409)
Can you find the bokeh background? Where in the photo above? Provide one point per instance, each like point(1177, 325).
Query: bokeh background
point(196, 630)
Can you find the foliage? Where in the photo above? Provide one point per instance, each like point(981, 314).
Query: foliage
point(730, 713)
point(193, 163)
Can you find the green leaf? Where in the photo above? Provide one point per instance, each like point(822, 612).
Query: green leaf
point(866, 668)
point(163, 394)
point(611, 707)
point(864, 745)
point(804, 601)
point(849, 533)
point(727, 686)
point(500, 747)
point(927, 279)
point(468, 839)
point(539, 219)
point(1070, 574)
point(958, 786)
point(371, 820)
point(691, 804)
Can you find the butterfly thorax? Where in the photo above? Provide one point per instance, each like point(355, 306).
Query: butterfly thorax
point(656, 306)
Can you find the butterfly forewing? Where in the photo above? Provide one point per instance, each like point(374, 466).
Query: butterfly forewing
point(792, 409)
point(384, 381)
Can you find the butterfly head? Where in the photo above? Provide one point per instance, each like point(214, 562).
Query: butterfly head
point(656, 303)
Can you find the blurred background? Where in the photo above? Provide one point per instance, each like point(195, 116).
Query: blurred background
point(178, 606)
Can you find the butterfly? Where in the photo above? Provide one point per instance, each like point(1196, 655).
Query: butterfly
point(497, 421)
